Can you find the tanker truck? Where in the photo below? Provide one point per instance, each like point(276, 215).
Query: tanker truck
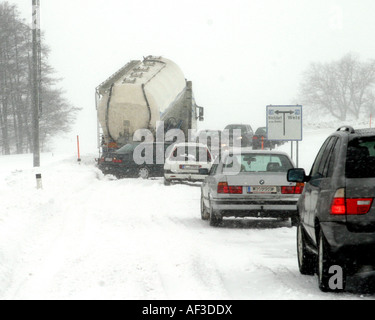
point(142, 95)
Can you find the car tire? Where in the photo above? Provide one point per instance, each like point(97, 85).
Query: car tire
point(167, 182)
point(306, 259)
point(215, 218)
point(143, 173)
point(325, 262)
point(294, 221)
point(204, 212)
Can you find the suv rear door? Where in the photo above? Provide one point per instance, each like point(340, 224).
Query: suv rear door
point(360, 184)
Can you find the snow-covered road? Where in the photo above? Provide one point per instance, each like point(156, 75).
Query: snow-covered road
point(89, 236)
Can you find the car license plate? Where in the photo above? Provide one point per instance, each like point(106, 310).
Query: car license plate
point(108, 159)
point(261, 189)
point(190, 167)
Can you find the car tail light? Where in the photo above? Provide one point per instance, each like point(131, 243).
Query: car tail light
point(223, 187)
point(115, 160)
point(338, 206)
point(351, 206)
point(358, 205)
point(287, 190)
point(297, 189)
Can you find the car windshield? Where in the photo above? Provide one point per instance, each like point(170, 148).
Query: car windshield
point(257, 163)
point(128, 148)
point(190, 153)
point(209, 133)
point(360, 158)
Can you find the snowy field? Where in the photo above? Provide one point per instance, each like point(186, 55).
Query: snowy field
point(89, 236)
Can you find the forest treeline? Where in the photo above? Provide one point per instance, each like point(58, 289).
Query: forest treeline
point(57, 114)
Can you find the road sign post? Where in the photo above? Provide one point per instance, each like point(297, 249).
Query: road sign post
point(284, 123)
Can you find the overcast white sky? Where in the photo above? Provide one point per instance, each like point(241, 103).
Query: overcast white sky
point(241, 55)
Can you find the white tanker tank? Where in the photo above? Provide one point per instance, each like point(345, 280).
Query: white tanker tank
point(141, 94)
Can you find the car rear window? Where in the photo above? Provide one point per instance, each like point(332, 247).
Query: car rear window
point(258, 163)
point(360, 158)
point(128, 148)
point(184, 153)
point(261, 131)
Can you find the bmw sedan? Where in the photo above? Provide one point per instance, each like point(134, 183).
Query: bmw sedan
point(250, 184)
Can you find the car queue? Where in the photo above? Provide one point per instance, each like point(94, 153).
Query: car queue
point(332, 206)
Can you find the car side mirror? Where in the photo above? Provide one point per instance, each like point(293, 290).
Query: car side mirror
point(204, 172)
point(297, 175)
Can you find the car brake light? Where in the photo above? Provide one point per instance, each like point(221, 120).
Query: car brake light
point(338, 206)
point(223, 187)
point(351, 206)
point(297, 189)
point(358, 205)
point(287, 190)
point(115, 160)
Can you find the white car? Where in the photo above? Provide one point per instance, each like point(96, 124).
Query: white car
point(184, 162)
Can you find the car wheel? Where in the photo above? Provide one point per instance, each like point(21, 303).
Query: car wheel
point(306, 259)
point(204, 213)
point(294, 221)
point(144, 173)
point(167, 182)
point(215, 218)
point(325, 262)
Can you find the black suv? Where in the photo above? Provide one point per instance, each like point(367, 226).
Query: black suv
point(336, 229)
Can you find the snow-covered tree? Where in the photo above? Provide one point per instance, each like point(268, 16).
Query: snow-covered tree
point(341, 88)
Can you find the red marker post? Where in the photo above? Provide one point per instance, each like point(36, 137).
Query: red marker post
point(262, 143)
point(79, 155)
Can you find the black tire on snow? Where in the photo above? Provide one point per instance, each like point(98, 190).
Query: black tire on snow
point(325, 262)
point(306, 259)
point(215, 218)
point(204, 213)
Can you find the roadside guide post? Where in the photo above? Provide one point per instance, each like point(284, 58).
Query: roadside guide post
point(284, 123)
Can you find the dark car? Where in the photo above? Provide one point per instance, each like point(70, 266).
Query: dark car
point(211, 138)
point(260, 140)
point(336, 230)
point(245, 135)
point(132, 161)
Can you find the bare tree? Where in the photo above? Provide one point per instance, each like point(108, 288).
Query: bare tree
point(341, 88)
point(16, 87)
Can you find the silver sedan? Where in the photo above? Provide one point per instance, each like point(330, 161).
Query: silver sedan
point(250, 184)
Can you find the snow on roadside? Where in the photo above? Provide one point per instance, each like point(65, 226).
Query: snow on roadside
point(89, 236)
